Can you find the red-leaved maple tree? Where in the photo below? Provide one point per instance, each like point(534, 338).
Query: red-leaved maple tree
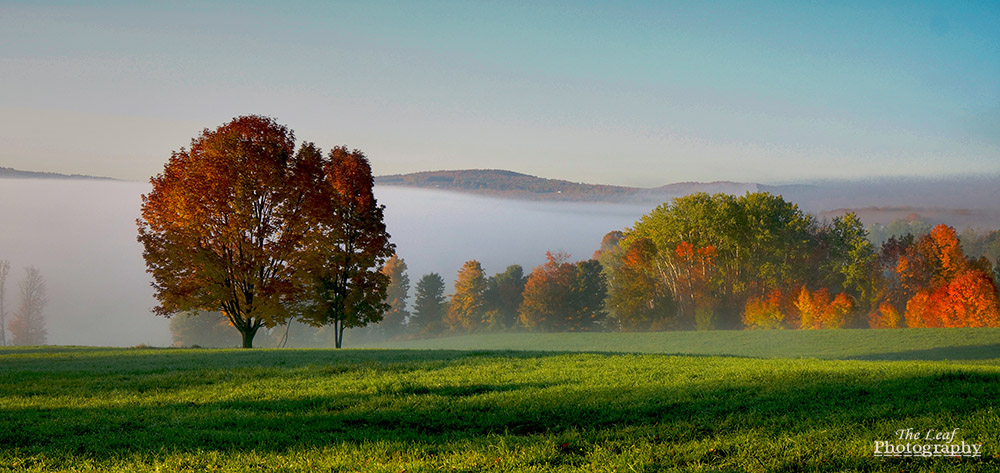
point(241, 224)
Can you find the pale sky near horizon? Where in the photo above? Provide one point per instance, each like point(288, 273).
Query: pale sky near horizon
point(630, 93)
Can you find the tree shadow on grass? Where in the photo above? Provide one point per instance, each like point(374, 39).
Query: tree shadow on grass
point(769, 404)
point(956, 353)
point(66, 359)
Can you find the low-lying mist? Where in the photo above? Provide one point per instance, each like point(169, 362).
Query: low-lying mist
point(81, 235)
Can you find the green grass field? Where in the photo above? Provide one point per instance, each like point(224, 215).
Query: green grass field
point(976, 344)
point(597, 406)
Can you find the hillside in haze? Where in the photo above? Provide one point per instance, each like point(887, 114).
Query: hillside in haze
point(970, 201)
point(18, 174)
point(510, 184)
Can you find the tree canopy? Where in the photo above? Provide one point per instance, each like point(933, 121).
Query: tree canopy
point(242, 224)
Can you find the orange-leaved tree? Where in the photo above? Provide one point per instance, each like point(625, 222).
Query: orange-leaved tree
point(547, 294)
point(240, 224)
point(948, 289)
point(564, 296)
point(970, 300)
point(345, 247)
point(887, 316)
point(772, 311)
point(921, 311)
point(818, 311)
point(468, 303)
point(395, 317)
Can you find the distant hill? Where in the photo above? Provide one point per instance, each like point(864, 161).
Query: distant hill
point(501, 183)
point(10, 173)
point(958, 201)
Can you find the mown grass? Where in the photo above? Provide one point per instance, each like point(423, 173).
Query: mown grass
point(91, 409)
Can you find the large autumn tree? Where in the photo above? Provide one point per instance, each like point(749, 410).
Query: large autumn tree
point(345, 247)
point(242, 224)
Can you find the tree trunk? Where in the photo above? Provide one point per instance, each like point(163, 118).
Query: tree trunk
point(338, 333)
point(248, 337)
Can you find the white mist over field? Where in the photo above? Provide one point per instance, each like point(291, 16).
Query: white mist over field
point(81, 235)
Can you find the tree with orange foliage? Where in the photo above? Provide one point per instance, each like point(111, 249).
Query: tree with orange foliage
point(768, 312)
point(243, 225)
point(394, 320)
point(818, 311)
point(345, 246)
point(932, 261)
point(920, 311)
point(468, 303)
point(563, 296)
point(970, 300)
point(885, 317)
point(948, 254)
point(949, 290)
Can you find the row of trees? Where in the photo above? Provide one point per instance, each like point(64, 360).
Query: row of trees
point(557, 296)
point(758, 261)
point(27, 323)
point(706, 262)
point(699, 260)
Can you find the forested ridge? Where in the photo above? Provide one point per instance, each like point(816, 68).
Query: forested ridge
point(502, 183)
point(18, 174)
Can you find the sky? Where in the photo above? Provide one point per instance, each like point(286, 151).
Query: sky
point(627, 93)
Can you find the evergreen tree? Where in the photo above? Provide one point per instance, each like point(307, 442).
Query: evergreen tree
point(429, 306)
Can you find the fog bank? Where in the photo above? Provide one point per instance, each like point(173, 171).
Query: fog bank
point(81, 235)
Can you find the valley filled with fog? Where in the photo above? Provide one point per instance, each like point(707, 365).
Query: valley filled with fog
point(81, 235)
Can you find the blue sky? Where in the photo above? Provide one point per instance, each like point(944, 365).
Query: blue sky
point(632, 93)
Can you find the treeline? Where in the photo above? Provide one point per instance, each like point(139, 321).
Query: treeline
point(712, 262)
point(757, 261)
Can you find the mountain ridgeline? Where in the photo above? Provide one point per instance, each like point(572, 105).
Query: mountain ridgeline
point(10, 173)
point(509, 184)
point(969, 201)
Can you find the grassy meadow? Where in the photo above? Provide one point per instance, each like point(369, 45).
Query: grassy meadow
point(736, 401)
point(978, 345)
